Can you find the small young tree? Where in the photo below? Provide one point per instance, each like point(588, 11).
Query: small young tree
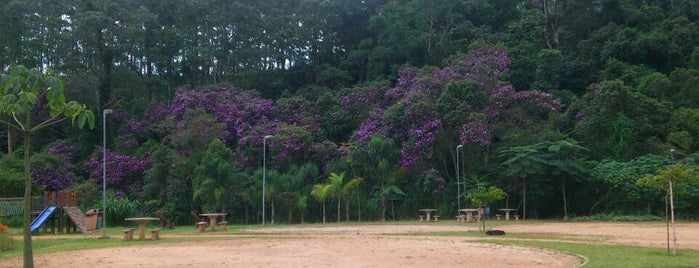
point(34, 101)
point(483, 196)
point(669, 179)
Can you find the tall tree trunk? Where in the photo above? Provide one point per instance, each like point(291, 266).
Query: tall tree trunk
point(347, 201)
point(9, 140)
point(524, 198)
point(272, 216)
point(339, 212)
point(383, 202)
point(27, 204)
point(323, 212)
point(565, 203)
point(359, 210)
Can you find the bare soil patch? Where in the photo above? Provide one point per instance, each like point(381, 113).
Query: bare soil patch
point(370, 245)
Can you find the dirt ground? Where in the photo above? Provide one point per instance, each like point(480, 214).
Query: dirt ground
point(371, 245)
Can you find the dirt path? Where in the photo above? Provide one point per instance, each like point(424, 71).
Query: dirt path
point(373, 245)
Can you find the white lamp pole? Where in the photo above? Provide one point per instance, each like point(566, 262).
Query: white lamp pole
point(458, 181)
point(672, 207)
point(105, 112)
point(264, 174)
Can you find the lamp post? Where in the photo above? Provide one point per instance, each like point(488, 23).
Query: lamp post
point(105, 112)
point(264, 174)
point(672, 206)
point(458, 181)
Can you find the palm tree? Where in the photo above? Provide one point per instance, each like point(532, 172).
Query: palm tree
point(336, 182)
point(301, 204)
point(321, 192)
point(347, 189)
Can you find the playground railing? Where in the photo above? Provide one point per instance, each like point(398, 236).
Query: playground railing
point(13, 206)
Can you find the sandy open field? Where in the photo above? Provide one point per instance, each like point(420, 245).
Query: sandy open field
point(370, 245)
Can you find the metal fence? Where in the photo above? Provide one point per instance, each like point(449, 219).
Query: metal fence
point(13, 206)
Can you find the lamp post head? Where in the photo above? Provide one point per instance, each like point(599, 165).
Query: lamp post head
point(459, 146)
point(107, 111)
point(672, 154)
point(268, 136)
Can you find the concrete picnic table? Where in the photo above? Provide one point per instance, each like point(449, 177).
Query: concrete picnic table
point(212, 218)
point(142, 225)
point(428, 212)
point(507, 212)
point(469, 213)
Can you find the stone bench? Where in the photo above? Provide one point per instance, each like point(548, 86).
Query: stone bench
point(223, 225)
point(155, 234)
point(461, 218)
point(498, 216)
point(128, 234)
point(422, 217)
point(516, 217)
point(436, 218)
point(202, 226)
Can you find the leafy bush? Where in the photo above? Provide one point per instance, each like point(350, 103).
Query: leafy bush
point(120, 208)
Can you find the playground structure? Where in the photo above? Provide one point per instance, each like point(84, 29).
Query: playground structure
point(67, 215)
point(59, 210)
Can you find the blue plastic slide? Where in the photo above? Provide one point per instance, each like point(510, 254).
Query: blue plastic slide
point(42, 218)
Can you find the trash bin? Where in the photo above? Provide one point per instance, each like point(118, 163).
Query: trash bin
point(91, 220)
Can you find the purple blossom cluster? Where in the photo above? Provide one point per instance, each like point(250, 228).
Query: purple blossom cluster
point(544, 101)
point(360, 98)
point(292, 145)
point(418, 89)
point(239, 111)
point(371, 127)
point(476, 132)
point(67, 150)
point(156, 112)
point(420, 142)
point(417, 129)
point(122, 170)
point(58, 176)
point(296, 111)
point(53, 178)
point(486, 66)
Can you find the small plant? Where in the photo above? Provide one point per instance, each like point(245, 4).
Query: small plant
point(6, 241)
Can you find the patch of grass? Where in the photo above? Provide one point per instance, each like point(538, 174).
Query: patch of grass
point(600, 255)
point(47, 243)
point(612, 217)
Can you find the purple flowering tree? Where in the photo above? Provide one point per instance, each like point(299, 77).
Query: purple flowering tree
point(405, 114)
point(239, 112)
point(492, 101)
point(53, 170)
point(124, 172)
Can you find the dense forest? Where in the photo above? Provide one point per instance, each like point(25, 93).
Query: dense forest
point(362, 110)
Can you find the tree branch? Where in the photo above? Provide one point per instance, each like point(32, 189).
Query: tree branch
point(9, 124)
point(49, 122)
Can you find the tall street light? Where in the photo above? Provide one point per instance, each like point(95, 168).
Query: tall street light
point(672, 207)
point(458, 182)
point(264, 174)
point(105, 112)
